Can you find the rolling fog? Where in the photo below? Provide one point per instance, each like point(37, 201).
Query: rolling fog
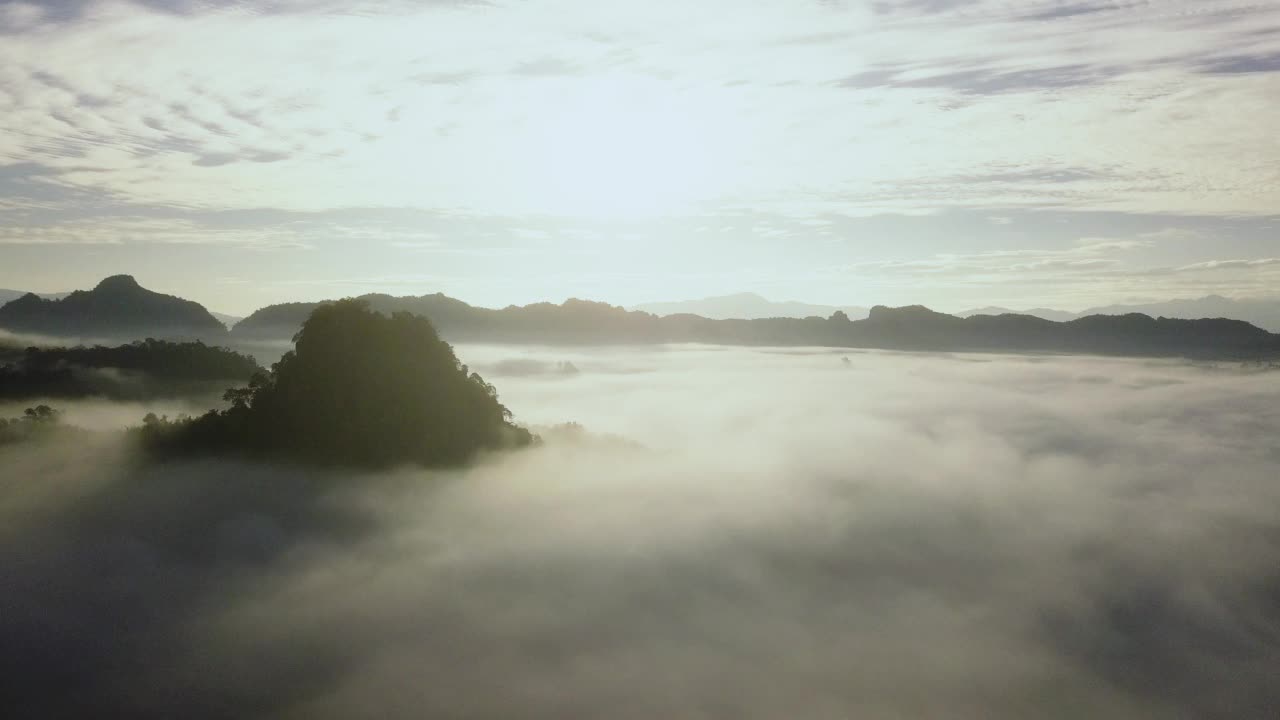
point(732, 534)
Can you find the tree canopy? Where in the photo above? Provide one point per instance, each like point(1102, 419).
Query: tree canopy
point(36, 422)
point(359, 389)
point(138, 370)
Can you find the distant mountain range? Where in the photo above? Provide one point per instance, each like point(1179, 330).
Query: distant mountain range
point(1263, 313)
point(119, 307)
point(7, 295)
point(228, 320)
point(747, 306)
point(908, 328)
point(1044, 313)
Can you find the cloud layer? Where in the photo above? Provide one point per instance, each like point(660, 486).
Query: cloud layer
point(969, 536)
point(894, 105)
point(364, 130)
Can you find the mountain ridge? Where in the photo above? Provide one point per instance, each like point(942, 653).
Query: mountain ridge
point(119, 307)
point(1263, 312)
point(909, 328)
point(746, 306)
point(116, 307)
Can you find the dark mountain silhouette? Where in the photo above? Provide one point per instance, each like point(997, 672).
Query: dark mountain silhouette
point(359, 389)
point(117, 308)
point(914, 328)
point(1131, 334)
point(1265, 313)
point(746, 306)
point(278, 321)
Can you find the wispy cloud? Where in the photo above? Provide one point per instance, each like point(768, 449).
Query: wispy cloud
point(1229, 265)
point(145, 230)
point(168, 104)
point(489, 118)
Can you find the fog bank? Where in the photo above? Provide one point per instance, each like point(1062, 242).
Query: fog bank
point(738, 534)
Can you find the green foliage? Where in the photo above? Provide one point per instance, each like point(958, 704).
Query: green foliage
point(359, 389)
point(134, 371)
point(35, 422)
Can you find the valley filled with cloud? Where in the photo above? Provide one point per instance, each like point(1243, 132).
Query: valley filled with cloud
point(725, 533)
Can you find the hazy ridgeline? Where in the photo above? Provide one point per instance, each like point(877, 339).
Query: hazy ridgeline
point(775, 534)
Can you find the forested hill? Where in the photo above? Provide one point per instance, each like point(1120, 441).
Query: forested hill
point(913, 328)
point(117, 308)
point(358, 389)
point(139, 370)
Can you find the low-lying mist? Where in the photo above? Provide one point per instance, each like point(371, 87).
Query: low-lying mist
point(735, 534)
point(102, 414)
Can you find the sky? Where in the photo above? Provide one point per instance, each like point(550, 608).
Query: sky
point(953, 153)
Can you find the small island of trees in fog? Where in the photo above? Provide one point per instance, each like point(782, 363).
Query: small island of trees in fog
point(359, 389)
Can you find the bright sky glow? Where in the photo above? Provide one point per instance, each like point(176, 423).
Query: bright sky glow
point(952, 152)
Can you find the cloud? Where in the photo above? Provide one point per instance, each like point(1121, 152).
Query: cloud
point(19, 16)
point(488, 117)
point(1086, 255)
point(1244, 64)
point(1061, 10)
point(1076, 275)
point(173, 106)
point(815, 542)
point(149, 230)
point(1095, 245)
point(544, 67)
point(1229, 265)
point(215, 159)
point(417, 244)
point(986, 82)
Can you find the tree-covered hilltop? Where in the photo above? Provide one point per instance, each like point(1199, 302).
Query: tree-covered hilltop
point(116, 308)
point(138, 370)
point(359, 389)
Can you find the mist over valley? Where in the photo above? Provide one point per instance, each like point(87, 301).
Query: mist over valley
point(723, 532)
point(870, 359)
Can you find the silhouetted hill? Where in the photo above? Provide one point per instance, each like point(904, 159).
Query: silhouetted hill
point(275, 321)
point(117, 308)
point(746, 306)
point(1265, 313)
point(139, 370)
point(359, 389)
point(7, 295)
point(1132, 334)
point(914, 327)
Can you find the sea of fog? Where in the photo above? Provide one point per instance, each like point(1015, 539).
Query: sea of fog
point(731, 533)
